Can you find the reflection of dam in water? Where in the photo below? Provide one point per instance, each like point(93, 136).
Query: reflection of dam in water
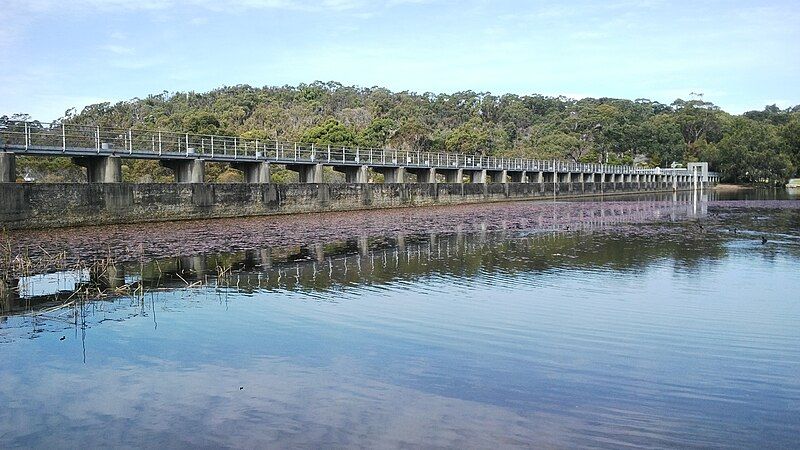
point(529, 245)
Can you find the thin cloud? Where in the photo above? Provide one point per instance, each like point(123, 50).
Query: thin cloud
point(197, 21)
point(118, 49)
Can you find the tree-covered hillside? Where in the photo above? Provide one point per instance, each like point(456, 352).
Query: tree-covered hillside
point(758, 146)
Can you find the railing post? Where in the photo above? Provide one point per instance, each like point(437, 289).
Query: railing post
point(187, 144)
point(235, 148)
point(159, 143)
point(130, 141)
point(97, 138)
point(212, 145)
point(26, 136)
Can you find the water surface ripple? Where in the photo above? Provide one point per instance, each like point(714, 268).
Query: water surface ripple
point(633, 323)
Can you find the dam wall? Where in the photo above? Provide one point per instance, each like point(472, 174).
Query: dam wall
point(53, 205)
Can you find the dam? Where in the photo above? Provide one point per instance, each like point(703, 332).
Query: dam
point(410, 178)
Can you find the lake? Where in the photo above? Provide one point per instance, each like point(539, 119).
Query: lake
point(643, 321)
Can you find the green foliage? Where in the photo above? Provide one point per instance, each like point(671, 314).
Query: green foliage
point(556, 145)
point(592, 130)
point(790, 134)
point(145, 171)
point(698, 120)
point(330, 133)
point(49, 169)
point(378, 133)
point(202, 123)
point(412, 134)
point(750, 152)
point(472, 137)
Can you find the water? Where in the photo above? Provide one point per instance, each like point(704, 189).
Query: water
point(640, 322)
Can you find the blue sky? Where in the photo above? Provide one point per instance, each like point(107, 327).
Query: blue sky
point(57, 54)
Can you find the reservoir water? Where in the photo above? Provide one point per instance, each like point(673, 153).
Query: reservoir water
point(648, 321)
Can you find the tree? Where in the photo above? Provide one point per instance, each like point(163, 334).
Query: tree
point(530, 126)
point(476, 137)
point(698, 121)
point(790, 134)
point(751, 152)
point(378, 133)
point(411, 135)
point(331, 132)
point(202, 123)
point(660, 138)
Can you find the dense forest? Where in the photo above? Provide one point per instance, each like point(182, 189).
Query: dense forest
point(755, 147)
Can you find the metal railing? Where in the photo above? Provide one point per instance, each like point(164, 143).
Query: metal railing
point(70, 140)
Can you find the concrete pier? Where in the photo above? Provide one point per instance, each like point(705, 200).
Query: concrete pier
point(392, 174)
point(452, 175)
point(254, 171)
point(308, 173)
point(186, 170)
point(8, 168)
point(498, 176)
point(423, 175)
point(101, 169)
point(518, 177)
point(477, 176)
point(354, 174)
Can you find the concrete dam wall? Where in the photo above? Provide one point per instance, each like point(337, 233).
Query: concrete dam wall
point(40, 205)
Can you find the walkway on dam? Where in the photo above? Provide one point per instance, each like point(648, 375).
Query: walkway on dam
point(100, 150)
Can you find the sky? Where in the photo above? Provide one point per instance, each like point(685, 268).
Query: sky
point(60, 54)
